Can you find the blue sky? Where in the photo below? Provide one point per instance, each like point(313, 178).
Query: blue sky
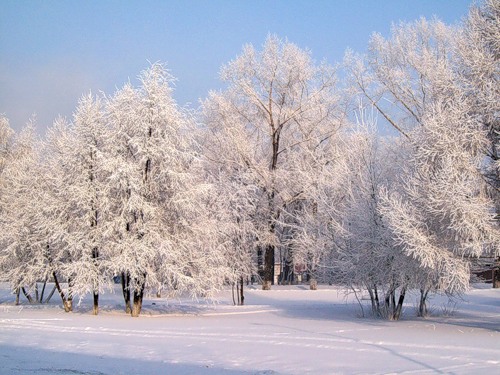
point(52, 52)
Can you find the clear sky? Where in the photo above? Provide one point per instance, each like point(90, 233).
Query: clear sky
point(52, 52)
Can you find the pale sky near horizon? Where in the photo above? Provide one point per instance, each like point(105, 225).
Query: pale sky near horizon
point(52, 52)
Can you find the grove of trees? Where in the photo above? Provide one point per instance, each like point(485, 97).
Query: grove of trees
point(285, 166)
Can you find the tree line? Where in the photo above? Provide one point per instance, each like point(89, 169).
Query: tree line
point(283, 166)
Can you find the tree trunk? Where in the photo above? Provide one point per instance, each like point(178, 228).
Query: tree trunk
point(232, 293)
point(241, 297)
point(69, 302)
point(393, 300)
point(496, 275)
point(260, 262)
point(377, 300)
point(374, 301)
point(43, 291)
point(399, 307)
point(266, 285)
point(422, 306)
point(268, 279)
point(126, 291)
point(68, 306)
point(95, 259)
point(50, 294)
point(388, 304)
point(268, 268)
point(287, 277)
point(95, 309)
point(27, 295)
point(393, 310)
point(18, 291)
point(138, 296)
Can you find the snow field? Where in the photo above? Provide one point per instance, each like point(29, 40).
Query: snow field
point(288, 330)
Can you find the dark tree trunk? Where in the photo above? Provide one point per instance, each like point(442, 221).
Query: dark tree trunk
point(95, 259)
point(393, 301)
point(268, 268)
point(268, 279)
point(18, 291)
point(388, 302)
point(399, 307)
point(50, 294)
point(374, 301)
point(241, 297)
point(260, 262)
point(496, 274)
point(138, 296)
point(137, 306)
point(126, 291)
point(70, 295)
point(377, 300)
point(422, 306)
point(43, 291)
point(394, 310)
point(95, 309)
point(287, 277)
point(27, 295)
point(67, 304)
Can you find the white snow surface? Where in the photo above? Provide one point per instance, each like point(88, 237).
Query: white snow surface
point(288, 330)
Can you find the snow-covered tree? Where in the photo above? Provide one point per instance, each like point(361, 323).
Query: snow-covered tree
point(368, 256)
point(402, 75)
point(6, 140)
point(234, 203)
point(478, 55)
point(478, 59)
point(277, 103)
point(6, 136)
point(317, 219)
point(76, 165)
point(25, 254)
point(442, 215)
point(156, 195)
point(446, 215)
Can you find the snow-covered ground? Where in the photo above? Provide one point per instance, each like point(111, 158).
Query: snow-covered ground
point(288, 330)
